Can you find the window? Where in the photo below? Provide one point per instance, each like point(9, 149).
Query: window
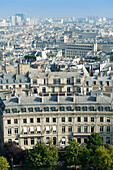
point(54, 119)
point(8, 121)
point(107, 140)
point(30, 109)
point(101, 83)
point(9, 131)
point(54, 109)
point(7, 86)
point(69, 119)
point(15, 121)
point(62, 108)
point(38, 129)
point(23, 109)
point(34, 81)
point(1, 87)
point(78, 119)
point(25, 141)
point(108, 128)
point(63, 129)
point(47, 140)
point(69, 129)
point(101, 119)
point(47, 129)
point(24, 120)
point(94, 82)
point(101, 128)
point(31, 120)
point(108, 119)
point(84, 108)
point(56, 81)
point(78, 81)
point(85, 140)
point(85, 119)
point(107, 108)
point(37, 109)
point(78, 108)
point(79, 129)
point(68, 81)
point(68, 89)
point(91, 108)
point(32, 141)
point(9, 140)
point(47, 119)
point(100, 108)
point(14, 110)
point(7, 110)
point(60, 89)
point(54, 129)
point(107, 82)
point(85, 129)
point(46, 109)
point(53, 89)
point(16, 130)
point(87, 83)
point(63, 119)
point(38, 120)
point(92, 129)
point(63, 140)
point(92, 119)
point(43, 89)
point(79, 140)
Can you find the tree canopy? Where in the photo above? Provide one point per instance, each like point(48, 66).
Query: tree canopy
point(4, 165)
point(42, 155)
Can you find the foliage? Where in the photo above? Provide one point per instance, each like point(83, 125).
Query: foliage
point(84, 157)
point(42, 155)
point(71, 155)
point(12, 150)
point(4, 165)
point(29, 56)
point(102, 159)
point(94, 141)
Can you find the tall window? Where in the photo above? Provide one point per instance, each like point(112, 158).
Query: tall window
point(63, 129)
point(25, 141)
point(79, 129)
point(9, 131)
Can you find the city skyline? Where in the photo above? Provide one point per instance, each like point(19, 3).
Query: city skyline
point(63, 8)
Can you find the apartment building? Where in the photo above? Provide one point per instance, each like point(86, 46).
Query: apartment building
point(27, 120)
point(72, 50)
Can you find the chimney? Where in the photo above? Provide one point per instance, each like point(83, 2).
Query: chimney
point(97, 77)
point(74, 100)
point(19, 101)
point(8, 96)
point(97, 98)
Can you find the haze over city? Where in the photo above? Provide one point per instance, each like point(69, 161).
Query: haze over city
point(57, 8)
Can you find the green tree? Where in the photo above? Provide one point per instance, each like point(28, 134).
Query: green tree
point(71, 155)
point(42, 155)
point(84, 157)
point(4, 165)
point(94, 141)
point(102, 158)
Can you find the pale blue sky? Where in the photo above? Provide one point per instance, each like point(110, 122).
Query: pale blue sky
point(57, 8)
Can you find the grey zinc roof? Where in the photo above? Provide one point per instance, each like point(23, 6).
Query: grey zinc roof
point(53, 100)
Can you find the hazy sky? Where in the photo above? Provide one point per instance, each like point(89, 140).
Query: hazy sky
point(57, 8)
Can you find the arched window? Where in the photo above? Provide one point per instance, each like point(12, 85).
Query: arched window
point(91, 108)
point(100, 108)
point(78, 108)
point(107, 108)
point(84, 108)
